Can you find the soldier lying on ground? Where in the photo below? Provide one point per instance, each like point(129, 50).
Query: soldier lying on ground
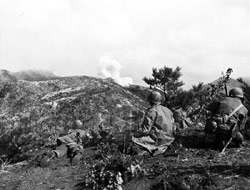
point(228, 118)
point(157, 130)
point(70, 144)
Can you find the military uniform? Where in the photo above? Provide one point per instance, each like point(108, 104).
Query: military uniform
point(225, 126)
point(157, 130)
point(70, 143)
point(181, 119)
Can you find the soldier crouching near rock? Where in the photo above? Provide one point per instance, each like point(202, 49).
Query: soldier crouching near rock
point(70, 144)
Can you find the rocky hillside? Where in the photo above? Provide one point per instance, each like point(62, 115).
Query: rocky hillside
point(33, 114)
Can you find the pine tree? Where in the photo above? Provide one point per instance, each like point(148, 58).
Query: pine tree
point(166, 80)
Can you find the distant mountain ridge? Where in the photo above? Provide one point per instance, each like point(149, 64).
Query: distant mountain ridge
point(29, 75)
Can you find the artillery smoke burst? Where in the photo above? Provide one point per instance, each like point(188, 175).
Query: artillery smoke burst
point(110, 68)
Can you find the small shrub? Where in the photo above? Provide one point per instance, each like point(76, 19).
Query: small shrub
point(108, 170)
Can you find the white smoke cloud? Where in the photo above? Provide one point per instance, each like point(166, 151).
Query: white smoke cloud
point(110, 68)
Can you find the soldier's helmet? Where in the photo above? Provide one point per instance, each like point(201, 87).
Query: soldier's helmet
point(155, 97)
point(236, 92)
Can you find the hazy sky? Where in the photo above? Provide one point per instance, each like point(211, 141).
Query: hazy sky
point(124, 39)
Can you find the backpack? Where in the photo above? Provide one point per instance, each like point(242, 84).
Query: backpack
point(225, 122)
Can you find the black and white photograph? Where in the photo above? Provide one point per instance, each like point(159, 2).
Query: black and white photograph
point(124, 95)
